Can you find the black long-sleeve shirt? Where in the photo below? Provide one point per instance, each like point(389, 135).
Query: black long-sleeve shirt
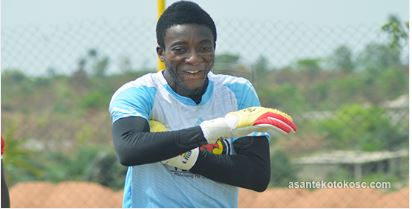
point(249, 168)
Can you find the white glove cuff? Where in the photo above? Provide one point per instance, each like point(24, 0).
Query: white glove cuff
point(214, 129)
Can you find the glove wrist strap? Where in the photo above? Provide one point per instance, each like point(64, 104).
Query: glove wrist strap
point(214, 129)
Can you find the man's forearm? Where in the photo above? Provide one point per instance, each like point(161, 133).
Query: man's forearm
point(135, 145)
point(249, 169)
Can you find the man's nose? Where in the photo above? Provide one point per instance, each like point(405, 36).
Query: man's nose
point(193, 58)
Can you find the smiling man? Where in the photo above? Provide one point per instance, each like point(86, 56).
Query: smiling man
point(188, 51)
point(189, 137)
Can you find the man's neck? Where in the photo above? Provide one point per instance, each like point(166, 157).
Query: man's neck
point(179, 88)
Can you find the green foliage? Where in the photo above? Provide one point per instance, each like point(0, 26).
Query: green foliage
point(225, 61)
point(362, 128)
point(94, 63)
point(382, 179)
point(15, 81)
point(286, 97)
point(88, 162)
point(20, 163)
point(59, 107)
point(227, 58)
point(387, 84)
point(396, 31)
point(339, 91)
point(282, 171)
point(261, 66)
point(13, 76)
point(376, 57)
point(95, 99)
point(101, 66)
point(340, 174)
point(319, 94)
point(343, 60)
point(310, 66)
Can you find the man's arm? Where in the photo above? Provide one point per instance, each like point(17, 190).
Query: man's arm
point(135, 145)
point(249, 169)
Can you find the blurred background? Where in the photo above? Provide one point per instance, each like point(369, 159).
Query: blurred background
point(340, 68)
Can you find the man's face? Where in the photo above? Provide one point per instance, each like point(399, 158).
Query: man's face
point(188, 54)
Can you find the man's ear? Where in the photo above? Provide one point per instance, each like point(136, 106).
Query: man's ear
point(161, 53)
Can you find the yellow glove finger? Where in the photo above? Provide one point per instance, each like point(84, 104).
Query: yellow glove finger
point(248, 116)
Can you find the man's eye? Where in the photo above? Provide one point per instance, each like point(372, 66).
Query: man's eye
point(206, 49)
point(179, 50)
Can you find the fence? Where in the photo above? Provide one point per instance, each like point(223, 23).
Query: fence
point(346, 87)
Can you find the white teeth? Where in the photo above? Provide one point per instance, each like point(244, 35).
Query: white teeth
point(193, 72)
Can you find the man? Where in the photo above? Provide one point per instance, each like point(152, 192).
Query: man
point(224, 148)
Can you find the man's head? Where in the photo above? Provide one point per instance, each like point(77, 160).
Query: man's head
point(183, 12)
point(186, 37)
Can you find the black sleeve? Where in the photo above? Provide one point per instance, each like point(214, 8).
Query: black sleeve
point(135, 145)
point(249, 169)
point(5, 198)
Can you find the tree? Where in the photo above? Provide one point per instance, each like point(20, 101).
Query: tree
point(100, 66)
point(310, 66)
point(261, 65)
point(396, 31)
point(99, 63)
point(377, 57)
point(260, 72)
point(226, 61)
point(79, 78)
point(342, 59)
point(94, 63)
point(362, 128)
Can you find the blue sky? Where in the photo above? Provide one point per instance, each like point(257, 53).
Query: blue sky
point(30, 40)
point(324, 12)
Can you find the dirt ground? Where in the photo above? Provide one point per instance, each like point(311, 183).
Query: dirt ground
point(90, 195)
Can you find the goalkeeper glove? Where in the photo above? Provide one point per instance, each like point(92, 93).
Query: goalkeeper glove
point(184, 161)
point(246, 121)
point(188, 159)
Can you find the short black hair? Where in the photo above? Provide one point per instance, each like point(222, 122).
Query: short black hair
point(183, 12)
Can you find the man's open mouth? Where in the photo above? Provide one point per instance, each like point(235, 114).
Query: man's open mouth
point(193, 74)
point(192, 71)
